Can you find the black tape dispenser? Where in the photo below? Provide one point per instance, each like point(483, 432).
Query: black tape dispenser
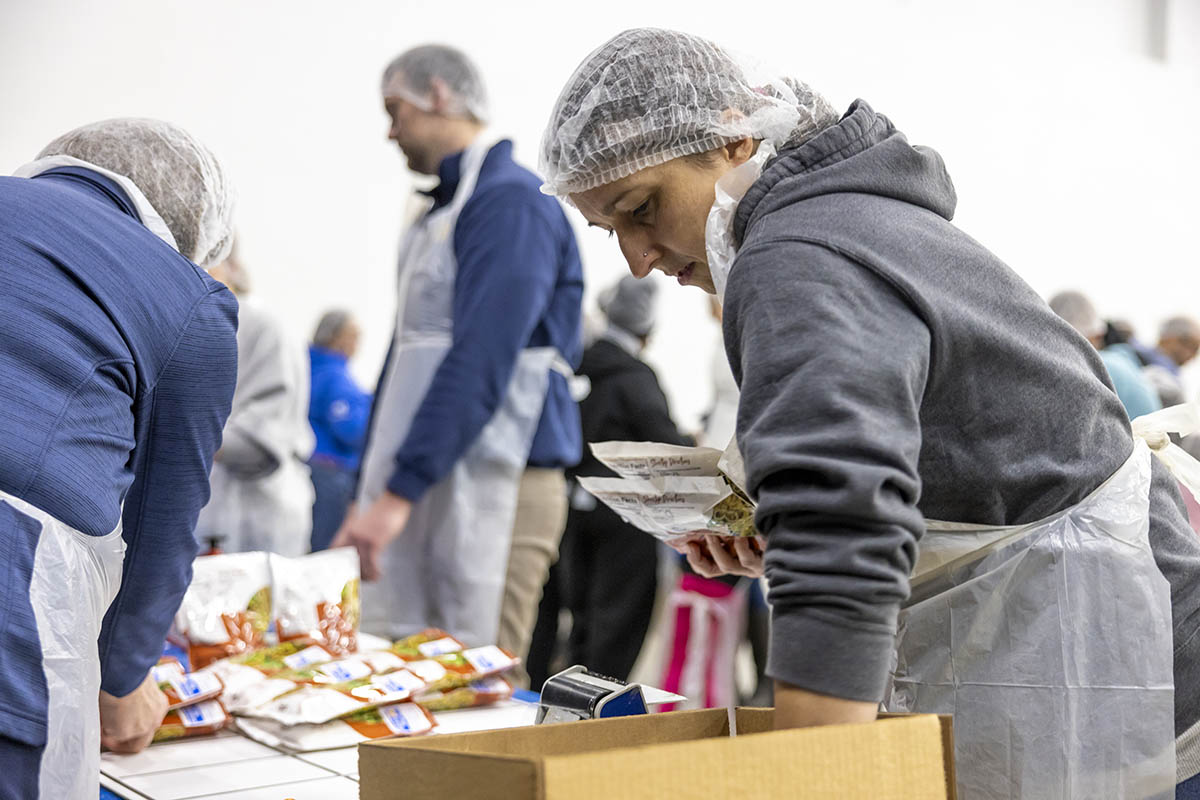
point(577, 693)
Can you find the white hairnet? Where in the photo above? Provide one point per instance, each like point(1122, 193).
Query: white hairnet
point(411, 74)
point(1079, 313)
point(649, 95)
point(179, 177)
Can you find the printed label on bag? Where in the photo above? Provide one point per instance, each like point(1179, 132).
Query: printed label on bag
point(405, 719)
point(428, 671)
point(206, 713)
point(350, 669)
point(402, 682)
point(306, 657)
point(197, 684)
point(163, 673)
point(488, 659)
point(493, 685)
point(439, 647)
point(383, 661)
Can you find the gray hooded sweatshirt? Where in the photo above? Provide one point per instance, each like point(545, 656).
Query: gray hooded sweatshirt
point(892, 369)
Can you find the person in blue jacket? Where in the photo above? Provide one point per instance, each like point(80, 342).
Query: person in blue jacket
point(461, 498)
point(338, 411)
point(117, 368)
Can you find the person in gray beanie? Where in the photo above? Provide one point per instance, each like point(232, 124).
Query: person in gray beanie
point(630, 305)
point(607, 572)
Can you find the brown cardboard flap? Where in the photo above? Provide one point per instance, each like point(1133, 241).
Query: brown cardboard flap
point(680, 755)
point(896, 761)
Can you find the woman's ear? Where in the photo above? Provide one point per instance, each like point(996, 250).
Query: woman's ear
point(741, 151)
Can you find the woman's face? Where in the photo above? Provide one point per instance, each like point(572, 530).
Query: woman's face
point(659, 213)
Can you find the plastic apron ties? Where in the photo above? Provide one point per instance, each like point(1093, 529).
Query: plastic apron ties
point(447, 568)
point(75, 578)
point(1051, 644)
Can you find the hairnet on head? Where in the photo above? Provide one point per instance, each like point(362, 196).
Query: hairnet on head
point(1079, 313)
point(411, 74)
point(329, 327)
point(179, 177)
point(630, 304)
point(649, 95)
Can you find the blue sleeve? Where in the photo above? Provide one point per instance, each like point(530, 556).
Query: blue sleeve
point(508, 259)
point(189, 406)
point(346, 410)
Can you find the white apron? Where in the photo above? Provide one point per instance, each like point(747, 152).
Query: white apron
point(75, 578)
point(447, 568)
point(1051, 644)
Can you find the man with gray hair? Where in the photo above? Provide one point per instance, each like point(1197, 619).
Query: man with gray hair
point(118, 367)
point(1134, 389)
point(461, 496)
point(338, 412)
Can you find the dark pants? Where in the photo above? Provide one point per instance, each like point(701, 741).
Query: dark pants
point(334, 490)
point(19, 766)
point(606, 577)
point(1189, 789)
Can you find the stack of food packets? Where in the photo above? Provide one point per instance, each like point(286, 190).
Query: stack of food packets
point(674, 492)
point(192, 705)
point(341, 702)
point(234, 597)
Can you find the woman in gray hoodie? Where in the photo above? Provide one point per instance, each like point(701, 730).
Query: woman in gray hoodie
point(893, 372)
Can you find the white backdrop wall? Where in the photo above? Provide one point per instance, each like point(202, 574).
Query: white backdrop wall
point(1069, 127)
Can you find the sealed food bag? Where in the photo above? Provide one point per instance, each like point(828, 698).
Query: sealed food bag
point(167, 668)
point(315, 704)
point(477, 693)
point(227, 607)
point(666, 508)
point(652, 460)
point(674, 492)
point(400, 719)
point(250, 679)
point(316, 598)
point(198, 719)
point(452, 670)
point(429, 643)
point(186, 690)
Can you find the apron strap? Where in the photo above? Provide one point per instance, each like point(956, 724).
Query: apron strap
point(1156, 429)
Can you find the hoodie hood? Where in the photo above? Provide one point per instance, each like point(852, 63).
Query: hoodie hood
point(862, 154)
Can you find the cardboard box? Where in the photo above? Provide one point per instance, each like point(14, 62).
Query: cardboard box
point(686, 754)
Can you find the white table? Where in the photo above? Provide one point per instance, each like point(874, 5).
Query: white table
point(229, 765)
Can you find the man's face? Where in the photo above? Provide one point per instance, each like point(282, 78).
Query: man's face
point(346, 342)
point(413, 130)
point(1180, 349)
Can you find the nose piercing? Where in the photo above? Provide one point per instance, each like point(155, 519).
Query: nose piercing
point(645, 254)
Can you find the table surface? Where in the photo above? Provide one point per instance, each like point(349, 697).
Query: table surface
point(229, 765)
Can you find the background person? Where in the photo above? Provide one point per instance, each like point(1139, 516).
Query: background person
point(338, 411)
point(262, 492)
point(462, 497)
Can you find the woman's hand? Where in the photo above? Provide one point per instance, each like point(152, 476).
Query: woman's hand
point(712, 555)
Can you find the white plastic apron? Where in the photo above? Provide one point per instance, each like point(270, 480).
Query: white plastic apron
point(447, 568)
point(1050, 643)
point(75, 578)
